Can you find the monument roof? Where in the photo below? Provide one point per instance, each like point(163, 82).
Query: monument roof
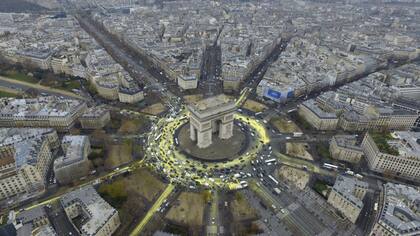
point(212, 102)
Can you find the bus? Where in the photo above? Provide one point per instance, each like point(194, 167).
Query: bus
point(270, 161)
point(297, 134)
point(330, 166)
point(158, 137)
point(359, 176)
point(277, 191)
point(273, 179)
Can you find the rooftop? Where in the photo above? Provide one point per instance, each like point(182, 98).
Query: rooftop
point(311, 104)
point(38, 107)
point(347, 141)
point(212, 102)
point(400, 208)
point(74, 146)
point(407, 143)
point(97, 209)
point(95, 111)
point(346, 186)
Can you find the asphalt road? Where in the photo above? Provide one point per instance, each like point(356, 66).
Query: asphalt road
point(272, 225)
point(144, 74)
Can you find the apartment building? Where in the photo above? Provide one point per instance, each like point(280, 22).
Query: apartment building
point(398, 213)
point(347, 196)
point(25, 157)
point(51, 111)
point(187, 82)
point(75, 163)
point(100, 218)
point(399, 156)
point(95, 118)
point(318, 118)
point(130, 94)
point(345, 148)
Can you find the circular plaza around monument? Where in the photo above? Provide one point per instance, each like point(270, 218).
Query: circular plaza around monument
point(171, 161)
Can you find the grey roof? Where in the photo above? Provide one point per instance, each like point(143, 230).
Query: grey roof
point(38, 107)
point(26, 152)
point(74, 151)
point(27, 216)
point(13, 135)
point(95, 112)
point(407, 143)
point(97, 209)
point(312, 105)
point(347, 141)
point(401, 203)
point(346, 186)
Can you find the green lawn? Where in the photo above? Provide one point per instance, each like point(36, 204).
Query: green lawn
point(20, 76)
point(320, 187)
point(4, 94)
point(72, 84)
point(114, 193)
point(381, 141)
point(323, 150)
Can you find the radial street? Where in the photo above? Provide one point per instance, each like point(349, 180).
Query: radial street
point(152, 210)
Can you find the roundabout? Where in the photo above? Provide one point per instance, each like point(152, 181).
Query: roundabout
point(168, 157)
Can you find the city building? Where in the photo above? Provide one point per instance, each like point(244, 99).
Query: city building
point(399, 211)
point(130, 94)
point(231, 84)
point(371, 104)
point(25, 158)
point(345, 148)
point(100, 218)
point(397, 154)
point(95, 117)
point(107, 89)
point(75, 163)
point(33, 222)
point(210, 116)
point(347, 196)
point(318, 118)
point(51, 111)
point(187, 82)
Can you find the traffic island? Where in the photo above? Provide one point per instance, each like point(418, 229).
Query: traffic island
point(220, 149)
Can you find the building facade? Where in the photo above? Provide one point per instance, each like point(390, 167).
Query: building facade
point(398, 213)
point(25, 158)
point(75, 163)
point(318, 118)
point(187, 82)
point(406, 164)
point(344, 148)
point(53, 112)
point(101, 219)
point(95, 118)
point(130, 95)
point(347, 196)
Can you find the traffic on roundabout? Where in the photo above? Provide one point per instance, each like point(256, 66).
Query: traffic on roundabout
point(166, 157)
